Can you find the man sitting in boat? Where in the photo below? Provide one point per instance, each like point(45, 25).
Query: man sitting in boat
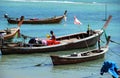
point(52, 41)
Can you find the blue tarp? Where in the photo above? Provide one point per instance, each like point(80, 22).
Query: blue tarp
point(110, 67)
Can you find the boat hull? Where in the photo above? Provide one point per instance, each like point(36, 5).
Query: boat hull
point(77, 44)
point(38, 21)
point(59, 60)
point(64, 61)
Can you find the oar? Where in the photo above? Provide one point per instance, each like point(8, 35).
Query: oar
point(107, 22)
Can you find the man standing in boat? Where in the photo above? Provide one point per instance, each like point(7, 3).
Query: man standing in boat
point(89, 31)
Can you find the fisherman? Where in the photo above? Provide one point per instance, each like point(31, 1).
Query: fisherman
point(89, 31)
point(110, 67)
point(52, 35)
point(52, 40)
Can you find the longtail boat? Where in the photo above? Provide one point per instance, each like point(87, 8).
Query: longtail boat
point(52, 20)
point(66, 42)
point(80, 57)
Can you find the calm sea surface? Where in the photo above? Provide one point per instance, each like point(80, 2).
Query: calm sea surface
point(90, 12)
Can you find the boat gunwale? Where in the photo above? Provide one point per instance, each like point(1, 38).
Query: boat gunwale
point(104, 50)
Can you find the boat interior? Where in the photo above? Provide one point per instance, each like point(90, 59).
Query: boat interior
point(65, 39)
point(76, 36)
point(89, 53)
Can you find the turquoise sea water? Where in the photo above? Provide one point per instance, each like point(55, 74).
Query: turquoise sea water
point(90, 12)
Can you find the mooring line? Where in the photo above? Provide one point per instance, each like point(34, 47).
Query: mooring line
point(114, 52)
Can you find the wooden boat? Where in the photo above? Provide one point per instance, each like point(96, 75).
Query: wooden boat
point(79, 57)
point(67, 42)
point(52, 20)
point(9, 33)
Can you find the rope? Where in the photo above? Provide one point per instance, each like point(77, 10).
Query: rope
point(110, 40)
point(102, 41)
point(43, 63)
point(114, 52)
point(25, 36)
point(115, 42)
point(106, 37)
